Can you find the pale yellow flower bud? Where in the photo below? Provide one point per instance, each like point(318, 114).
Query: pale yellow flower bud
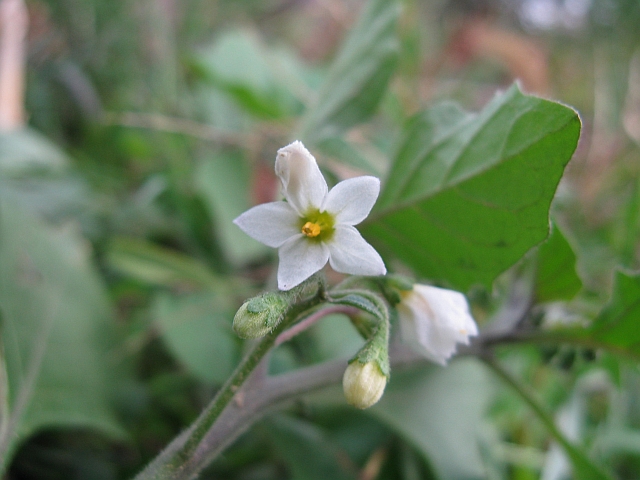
point(363, 384)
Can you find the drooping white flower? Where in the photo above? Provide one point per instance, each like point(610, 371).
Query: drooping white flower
point(314, 225)
point(434, 320)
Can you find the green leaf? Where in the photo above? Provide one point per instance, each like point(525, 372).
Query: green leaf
point(55, 195)
point(26, 149)
point(619, 439)
point(556, 277)
point(239, 65)
point(616, 328)
point(358, 78)
point(35, 174)
point(56, 332)
point(349, 155)
point(334, 337)
point(468, 195)
point(158, 265)
point(223, 182)
point(583, 467)
point(219, 110)
point(307, 451)
point(197, 330)
point(439, 410)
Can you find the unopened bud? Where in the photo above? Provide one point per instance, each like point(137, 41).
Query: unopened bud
point(363, 384)
point(259, 315)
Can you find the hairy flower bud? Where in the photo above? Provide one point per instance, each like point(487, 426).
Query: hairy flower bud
point(259, 315)
point(363, 384)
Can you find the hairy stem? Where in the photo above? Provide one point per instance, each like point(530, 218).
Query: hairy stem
point(275, 392)
point(170, 464)
point(255, 394)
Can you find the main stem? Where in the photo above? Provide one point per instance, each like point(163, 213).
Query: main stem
point(170, 463)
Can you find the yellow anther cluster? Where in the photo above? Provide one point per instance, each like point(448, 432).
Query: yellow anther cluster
point(311, 229)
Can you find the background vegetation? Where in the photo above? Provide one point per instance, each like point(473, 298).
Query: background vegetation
point(153, 123)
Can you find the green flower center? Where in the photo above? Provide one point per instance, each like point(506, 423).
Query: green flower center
point(317, 226)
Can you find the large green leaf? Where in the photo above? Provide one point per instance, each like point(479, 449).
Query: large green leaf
point(440, 411)
point(158, 265)
point(556, 277)
point(349, 155)
point(307, 451)
point(35, 174)
point(615, 329)
point(468, 195)
point(197, 330)
point(358, 77)
point(56, 331)
point(223, 182)
point(241, 66)
point(26, 149)
point(617, 326)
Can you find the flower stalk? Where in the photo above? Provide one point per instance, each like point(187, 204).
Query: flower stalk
point(366, 376)
point(168, 465)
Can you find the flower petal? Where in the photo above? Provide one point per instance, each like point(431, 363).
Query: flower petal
point(299, 259)
point(423, 337)
point(350, 201)
point(270, 223)
point(434, 320)
point(350, 253)
point(452, 311)
point(303, 184)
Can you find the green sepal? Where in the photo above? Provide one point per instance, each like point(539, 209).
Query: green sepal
point(365, 300)
point(376, 350)
point(399, 282)
point(392, 286)
point(260, 315)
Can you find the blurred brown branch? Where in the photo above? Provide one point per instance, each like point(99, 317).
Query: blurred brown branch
point(14, 22)
point(480, 39)
point(631, 114)
point(164, 123)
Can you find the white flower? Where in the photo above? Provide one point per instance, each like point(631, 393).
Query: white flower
point(434, 320)
point(314, 225)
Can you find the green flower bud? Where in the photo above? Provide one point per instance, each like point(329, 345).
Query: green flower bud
point(363, 384)
point(259, 315)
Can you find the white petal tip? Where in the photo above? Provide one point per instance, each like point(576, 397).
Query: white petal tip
point(380, 273)
point(378, 269)
point(296, 145)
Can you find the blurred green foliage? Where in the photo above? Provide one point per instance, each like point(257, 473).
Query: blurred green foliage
point(153, 123)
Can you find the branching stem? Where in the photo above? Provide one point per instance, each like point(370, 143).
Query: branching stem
point(256, 393)
point(169, 465)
